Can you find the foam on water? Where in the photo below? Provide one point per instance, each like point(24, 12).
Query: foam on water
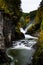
point(30, 37)
point(27, 36)
point(22, 47)
point(25, 30)
point(23, 53)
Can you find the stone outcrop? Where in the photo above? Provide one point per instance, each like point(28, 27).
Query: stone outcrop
point(1, 32)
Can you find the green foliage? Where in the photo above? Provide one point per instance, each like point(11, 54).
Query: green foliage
point(4, 6)
point(38, 56)
point(22, 21)
point(39, 15)
point(14, 6)
point(41, 4)
point(41, 25)
point(10, 6)
point(33, 14)
point(39, 51)
point(25, 14)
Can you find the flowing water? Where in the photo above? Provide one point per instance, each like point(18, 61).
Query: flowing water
point(22, 52)
point(25, 30)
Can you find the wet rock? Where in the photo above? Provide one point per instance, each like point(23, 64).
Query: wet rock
point(17, 36)
point(3, 57)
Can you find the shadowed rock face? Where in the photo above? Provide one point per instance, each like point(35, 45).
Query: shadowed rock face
point(1, 32)
point(18, 36)
point(2, 47)
point(3, 57)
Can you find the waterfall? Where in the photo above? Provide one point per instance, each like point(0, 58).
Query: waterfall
point(23, 49)
point(25, 30)
point(23, 53)
point(28, 27)
point(30, 37)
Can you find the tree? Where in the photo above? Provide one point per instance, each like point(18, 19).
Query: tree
point(38, 57)
point(41, 3)
point(11, 7)
point(15, 10)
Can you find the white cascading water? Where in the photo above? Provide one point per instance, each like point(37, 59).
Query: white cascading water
point(26, 35)
point(24, 31)
point(19, 45)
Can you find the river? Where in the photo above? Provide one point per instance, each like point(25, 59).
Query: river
point(22, 52)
